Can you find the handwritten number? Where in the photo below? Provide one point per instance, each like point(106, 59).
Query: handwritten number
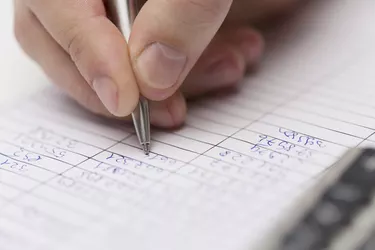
point(66, 182)
point(4, 162)
point(225, 153)
point(320, 144)
point(286, 146)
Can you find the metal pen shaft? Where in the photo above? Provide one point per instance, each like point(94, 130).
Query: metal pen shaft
point(122, 13)
point(141, 119)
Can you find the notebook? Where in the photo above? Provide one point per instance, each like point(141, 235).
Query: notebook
point(71, 180)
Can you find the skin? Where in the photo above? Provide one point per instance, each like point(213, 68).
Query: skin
point(178, 49)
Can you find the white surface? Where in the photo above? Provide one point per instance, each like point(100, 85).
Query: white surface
point(19, 75)
point(191, 191)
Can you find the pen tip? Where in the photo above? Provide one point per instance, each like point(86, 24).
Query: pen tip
point(146, 148)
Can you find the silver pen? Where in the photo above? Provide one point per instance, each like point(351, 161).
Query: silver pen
point(122, 13)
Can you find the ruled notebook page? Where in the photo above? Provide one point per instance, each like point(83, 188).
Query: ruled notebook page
point(69, 180)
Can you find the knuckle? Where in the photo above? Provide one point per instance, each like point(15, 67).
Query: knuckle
point(73, 40)
point(74, 30)
point(75, 35)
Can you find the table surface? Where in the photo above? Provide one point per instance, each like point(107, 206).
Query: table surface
point(20, 76)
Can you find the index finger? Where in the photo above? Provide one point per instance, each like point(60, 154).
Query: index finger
point(95, 45)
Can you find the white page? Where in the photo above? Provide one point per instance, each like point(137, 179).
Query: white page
point(69, 180)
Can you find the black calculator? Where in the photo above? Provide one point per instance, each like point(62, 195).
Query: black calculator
point(338, 213)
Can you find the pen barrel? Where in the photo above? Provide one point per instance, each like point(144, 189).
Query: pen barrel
point(122, 13)
point(141, 119)
point(145, 120)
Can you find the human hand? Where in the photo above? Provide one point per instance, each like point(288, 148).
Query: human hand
point(178, 49)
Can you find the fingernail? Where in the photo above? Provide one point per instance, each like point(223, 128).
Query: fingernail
point(106, 90)
point(226, 71)
point(252, 47)
point(170, 113)
point(161, 117)
point(160, 66)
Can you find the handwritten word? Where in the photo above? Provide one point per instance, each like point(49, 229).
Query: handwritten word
point(161, 158)
point(207, 177)
point(123, 160)
point(25, 155)
point(251, 174)
point(266, 141)
point(237, 157)
point(82, 190)
point(302, 139)
point(44, 148)
point(53, 138)
point(129, 177)
point(134, 165)
point(280, 145)
point(99, 180)
point(223, 166)
point(13, 165)
point(269, 154)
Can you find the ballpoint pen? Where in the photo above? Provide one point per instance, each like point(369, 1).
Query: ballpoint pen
point(122, 13)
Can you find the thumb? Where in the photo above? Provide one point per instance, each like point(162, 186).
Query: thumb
point(167, 39)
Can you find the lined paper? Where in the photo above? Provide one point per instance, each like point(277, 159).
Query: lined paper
point(70, 180)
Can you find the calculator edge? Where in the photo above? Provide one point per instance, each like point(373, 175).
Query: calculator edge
point(304, 201)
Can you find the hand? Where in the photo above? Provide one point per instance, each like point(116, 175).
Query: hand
point(178, 49)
